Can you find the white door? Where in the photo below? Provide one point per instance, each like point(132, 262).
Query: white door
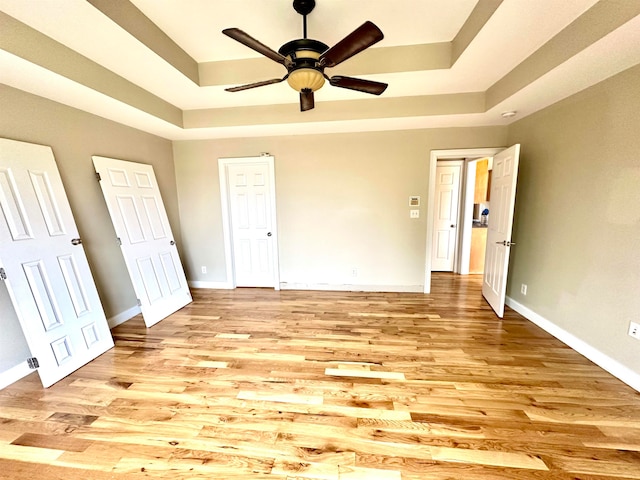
point(503, 199)
point(445, 219)
point(251, 206)
point(142, 227)
point(47, 272)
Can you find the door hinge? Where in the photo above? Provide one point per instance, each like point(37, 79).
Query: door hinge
point(33, 363)
point(119, 241)
point(139, 302)
point(3, 274)
point(98, 176)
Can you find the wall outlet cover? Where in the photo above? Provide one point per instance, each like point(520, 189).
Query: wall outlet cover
point(634, 330)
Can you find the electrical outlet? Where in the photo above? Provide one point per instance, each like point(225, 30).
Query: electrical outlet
point(204, 269)
point(354, 272)
point(634, 330)
point(523, 289)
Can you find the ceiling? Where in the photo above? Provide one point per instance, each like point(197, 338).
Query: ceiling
point(162, 65)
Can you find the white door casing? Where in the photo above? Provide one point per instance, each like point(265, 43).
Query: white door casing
point(140, 220)
point(48, 275)
point(503, 197)
point(247, 188)
point(446, 212)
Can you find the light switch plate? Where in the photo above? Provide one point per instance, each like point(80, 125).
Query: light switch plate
point(414, 214)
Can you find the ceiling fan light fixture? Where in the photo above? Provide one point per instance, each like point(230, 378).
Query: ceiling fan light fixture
point(305, 78)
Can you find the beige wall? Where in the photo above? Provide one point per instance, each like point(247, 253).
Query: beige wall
point(75, 136)
point(342, 202)
point(13, 345)
point(577, 223)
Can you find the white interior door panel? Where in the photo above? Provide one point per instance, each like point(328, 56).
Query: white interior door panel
point(142, 226)
point(47, 273)
point(503, 199)
point(445, 222)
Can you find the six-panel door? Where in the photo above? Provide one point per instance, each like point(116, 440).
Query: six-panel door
point(142, 226)
point(48, 276)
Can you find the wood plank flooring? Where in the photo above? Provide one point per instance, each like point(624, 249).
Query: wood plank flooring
point(293, 385)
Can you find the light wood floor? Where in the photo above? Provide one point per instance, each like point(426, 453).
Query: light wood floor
point(257, 384)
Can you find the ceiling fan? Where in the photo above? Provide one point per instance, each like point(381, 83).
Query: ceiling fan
point(305, 59)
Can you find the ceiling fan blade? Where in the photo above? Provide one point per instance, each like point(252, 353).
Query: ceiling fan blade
point(247, 40)
point(254, 85)
point(361, 38)
point(366, 86)
point(306, 99)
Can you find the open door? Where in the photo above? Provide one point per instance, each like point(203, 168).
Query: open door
point(44, 264)
point(503, 199)
point(142, 227)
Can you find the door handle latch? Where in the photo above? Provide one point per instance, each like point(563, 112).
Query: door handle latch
point(506, 243)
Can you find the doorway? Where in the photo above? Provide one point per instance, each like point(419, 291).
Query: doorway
point(466, 214)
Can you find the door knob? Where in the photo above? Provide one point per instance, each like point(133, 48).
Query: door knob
point(269, 234)
point(453, 226)
point(172, 242)
point(76, 241)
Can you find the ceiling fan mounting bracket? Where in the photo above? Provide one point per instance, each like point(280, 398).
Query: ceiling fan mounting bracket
point(304, 7)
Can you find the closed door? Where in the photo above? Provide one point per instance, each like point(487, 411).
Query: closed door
point(251, 202)
point(445, 223)
point(44, 264)
point(142, 227)
point(503, 198)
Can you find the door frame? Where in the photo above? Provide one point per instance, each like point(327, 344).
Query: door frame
point(453, 154)
point(223, 163)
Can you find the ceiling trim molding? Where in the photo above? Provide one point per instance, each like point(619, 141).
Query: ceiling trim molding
point(29, 44)
point(427, 105)
point(601, 19)
point(130, 18)
point(476, 21)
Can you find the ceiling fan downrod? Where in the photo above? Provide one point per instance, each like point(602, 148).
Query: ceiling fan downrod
point(304, 8)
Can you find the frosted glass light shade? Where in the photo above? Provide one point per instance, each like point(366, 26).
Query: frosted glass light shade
point(305, 78)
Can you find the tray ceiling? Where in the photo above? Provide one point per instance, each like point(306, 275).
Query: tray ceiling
point(162, 66)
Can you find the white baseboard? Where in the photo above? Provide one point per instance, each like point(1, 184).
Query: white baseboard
point(14, 374)
point(123, 316)
point(351, 288)
point(215, 285)
point(605, 362)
